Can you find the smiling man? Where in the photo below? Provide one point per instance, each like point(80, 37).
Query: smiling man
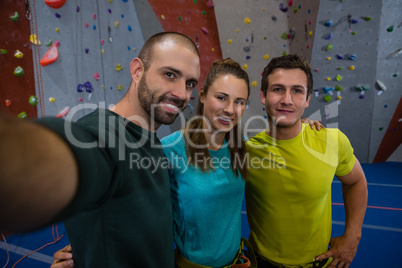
point(289, 201)
point(116, 214)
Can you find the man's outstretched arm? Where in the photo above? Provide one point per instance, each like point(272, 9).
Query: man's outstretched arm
point(38, 175)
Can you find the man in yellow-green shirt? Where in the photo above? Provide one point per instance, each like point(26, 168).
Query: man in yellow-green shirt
point(291, 168)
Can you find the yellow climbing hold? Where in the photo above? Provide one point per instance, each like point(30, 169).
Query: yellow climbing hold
point(103, 51)
point(351, 67)
point(266, 57)
point(328, 79)
point(212, 49)
point(119, 67)
point(328, 58)
point(34, 40)
point(104, 87)
point(237, 31)
point(245, 66)
point(116, 24)
point(247, 20)
point(57, 30)
point(110, 1)
point(18, 54)
point(339, 97)
point(163, 17)
point(120, 87)
point(310, 33)
point(254, 84)
point(229, 41)
point(52, 100)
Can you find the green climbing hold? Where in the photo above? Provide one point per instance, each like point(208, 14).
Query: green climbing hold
point(381, 128)
point(338, 88)
point(339, 68)
point(179, 18)
point(284, 53)
point(368, 18)
point(339, 78)
point(284, 36)
point(354, 33)
point(394, 75)
point(33, 100)
point(49, 42)
point(19, 71)
point(203, 12)
point(327, 98)
point(329, 47)
point(295, 10)
point(15, 17)
point(3, 51)
point(390, 29)
point(22, 115)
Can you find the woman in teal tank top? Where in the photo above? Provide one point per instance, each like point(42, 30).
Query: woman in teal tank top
point(207, 171)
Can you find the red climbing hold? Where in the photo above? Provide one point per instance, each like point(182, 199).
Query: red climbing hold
point(51, 56)
point(55, 3)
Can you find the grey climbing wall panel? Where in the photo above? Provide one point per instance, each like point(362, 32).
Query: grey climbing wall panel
point(95, 37)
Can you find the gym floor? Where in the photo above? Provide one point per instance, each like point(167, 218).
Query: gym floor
point(381, 236)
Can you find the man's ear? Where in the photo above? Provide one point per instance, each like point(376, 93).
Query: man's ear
point(136, 69)
point(201, 95)
point(308, 101)
point(262, 96)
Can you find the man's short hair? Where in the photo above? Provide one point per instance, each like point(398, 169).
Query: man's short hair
point(291, 61)
point(147, 49)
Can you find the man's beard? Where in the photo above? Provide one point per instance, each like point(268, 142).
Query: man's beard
point(150, 103)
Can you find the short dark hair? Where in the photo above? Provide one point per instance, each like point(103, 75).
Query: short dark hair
point(291, 61)
point(147, 49)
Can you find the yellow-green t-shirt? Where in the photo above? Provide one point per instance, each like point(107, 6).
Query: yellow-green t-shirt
point(288, 192)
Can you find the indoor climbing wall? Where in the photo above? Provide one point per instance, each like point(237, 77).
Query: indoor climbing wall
point(17, 89)
point(253, 32)
point(349, 68)
point(95, 42)
point(386, 130)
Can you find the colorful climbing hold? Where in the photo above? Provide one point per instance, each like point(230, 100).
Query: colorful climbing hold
point(55, 3)
point(328, 23)
point(8, 103)
point(328, 36)
point(329, 47)
point(266, 56)
point(119, 67)
point(338, 88)
point(19, 71)
point(51, 99)
point(15, 17)
point(204, 30)
point(245, 66)
point(339, 57)
point(22, 115)
point(34, 39)
point(86, 25)
point(352, 56)
point(247, 20)
point(63, 112)
point(229, 41)
point(282, 7)
point(33, 100)
point(390, 28)
point(129, 28)
point(3, 51)
point(49, 42)
point(96, 76)
point(351, 67)
point(327, 98)
point(163, 17)
point(50, 56)
point(94, 27)
point(116, 24)
point(18, 54)
point(120, 87)
point(338, 78)
point(328, 58)
point(57, 15)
